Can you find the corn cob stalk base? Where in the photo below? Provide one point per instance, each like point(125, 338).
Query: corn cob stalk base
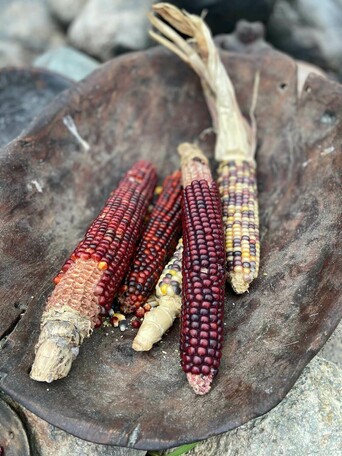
point(156, 323)
point(62, 332)
point(168, 295)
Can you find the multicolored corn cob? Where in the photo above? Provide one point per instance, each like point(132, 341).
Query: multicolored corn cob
point(156, 246)
point(235, 141)
point(203, 271)
point(237, 185)
point(88, 281)
point(169, 301)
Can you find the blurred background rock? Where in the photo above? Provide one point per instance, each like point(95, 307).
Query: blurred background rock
point(309, 30)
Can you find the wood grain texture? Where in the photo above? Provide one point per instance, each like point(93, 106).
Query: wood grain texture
point(142, 106)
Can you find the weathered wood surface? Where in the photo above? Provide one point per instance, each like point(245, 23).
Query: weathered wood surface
point(142, 106)
point(24, 92)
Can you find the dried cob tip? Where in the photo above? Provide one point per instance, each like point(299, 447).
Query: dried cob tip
point(201, 384)
point(62, 333)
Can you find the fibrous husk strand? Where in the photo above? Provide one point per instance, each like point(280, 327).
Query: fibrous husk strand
point(235, 138)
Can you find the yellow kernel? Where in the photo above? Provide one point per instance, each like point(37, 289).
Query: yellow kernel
point(163, 288)
point(238, 268)
point(102, 265)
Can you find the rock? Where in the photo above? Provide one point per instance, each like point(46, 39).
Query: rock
point(309, 30)
point(66, 10)
point(307, 422)
point(24, 93)
point(14, 54)
point(332, 350)
point(67, 61)
point(29, 25)
point(107, 28)
point(222, 16)
point(47, 440)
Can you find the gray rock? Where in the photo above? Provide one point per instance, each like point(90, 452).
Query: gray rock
point(47, 440)
point(67, 61)
point(66, 10)
point(332, 350)
point(29, 24)
point(14, 54)
point(110, 27)
point(308, 422)
point(310, 30)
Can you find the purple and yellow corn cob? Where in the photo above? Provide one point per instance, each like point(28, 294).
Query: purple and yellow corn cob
point(238, 189)
point(235, 142)
point(89, 280)
point(169, 301)
point(158, 241)
point(203, 271)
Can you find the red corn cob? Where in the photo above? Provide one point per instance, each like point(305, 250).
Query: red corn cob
point(203, 271)
point(156, 246)
point(88, 281)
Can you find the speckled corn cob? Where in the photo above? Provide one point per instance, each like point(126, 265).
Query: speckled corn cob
point(156, 246)
point(168, 296)
point(237, 185)
point(203, 271)
point(91, 277)
point(170, 281)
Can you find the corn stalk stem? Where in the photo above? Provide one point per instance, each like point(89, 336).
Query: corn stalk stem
point(235, 138)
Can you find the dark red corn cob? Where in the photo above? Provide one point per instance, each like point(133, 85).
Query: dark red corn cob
point(89, 280)
point(156, 246)
point(203, 271)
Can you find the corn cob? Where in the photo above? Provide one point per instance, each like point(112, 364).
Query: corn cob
point(157, 244)
point(235, 142)
point(168, 296)
point(91, 277)
point(237, 184)
point(203, 271)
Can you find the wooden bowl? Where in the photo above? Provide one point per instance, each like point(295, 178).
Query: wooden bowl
point(54, 179)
